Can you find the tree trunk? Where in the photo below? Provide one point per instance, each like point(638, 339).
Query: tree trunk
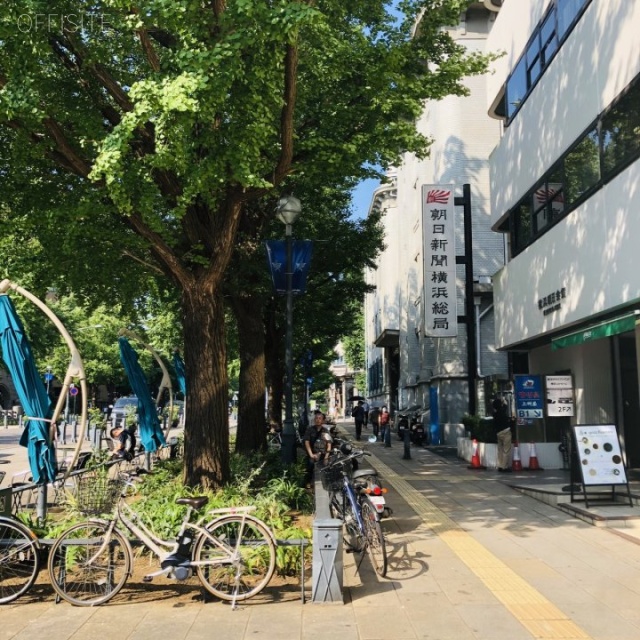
point(251, 433)
point(206, 450)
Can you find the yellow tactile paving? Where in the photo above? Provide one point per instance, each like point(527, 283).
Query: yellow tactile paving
point(541, 617)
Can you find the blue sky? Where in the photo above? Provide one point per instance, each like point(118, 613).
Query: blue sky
point(361, 197)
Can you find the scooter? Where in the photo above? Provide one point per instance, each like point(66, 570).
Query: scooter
point(410, 419)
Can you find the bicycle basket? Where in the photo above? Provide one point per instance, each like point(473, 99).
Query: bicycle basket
point(96, 494)
point(332, 478)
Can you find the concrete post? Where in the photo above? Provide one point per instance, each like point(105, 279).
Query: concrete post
point(327, 566)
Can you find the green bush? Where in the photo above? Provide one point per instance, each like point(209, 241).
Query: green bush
point(480, 428)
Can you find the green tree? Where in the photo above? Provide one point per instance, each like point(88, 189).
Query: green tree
point(149, 128)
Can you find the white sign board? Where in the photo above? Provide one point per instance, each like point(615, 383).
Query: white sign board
point(439, 264)
point(599, 454)
point(559, 394)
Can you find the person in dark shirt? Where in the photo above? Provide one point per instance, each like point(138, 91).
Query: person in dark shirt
point(317, 443)
point(502, 427)
point(358, 416)
point(125, 441)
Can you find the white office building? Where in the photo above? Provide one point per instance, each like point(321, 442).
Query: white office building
point(565, 193)
point(409, 363)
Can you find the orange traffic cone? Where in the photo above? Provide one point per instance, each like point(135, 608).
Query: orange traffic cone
point(516, 465)
point(533, 458)
point(475, 457)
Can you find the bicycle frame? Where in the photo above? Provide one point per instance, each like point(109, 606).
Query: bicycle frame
point(349, 493)
point(164, 548)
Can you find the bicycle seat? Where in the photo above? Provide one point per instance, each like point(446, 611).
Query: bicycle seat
point(196, 503)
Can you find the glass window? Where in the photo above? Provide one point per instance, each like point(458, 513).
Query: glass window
point(516, 87)
point(620, 132)
point(541, 217)
point(555, 191)
point(548, 37)
point(582, 167)
point(567, 12)
point(522, 225)
point(534, 66)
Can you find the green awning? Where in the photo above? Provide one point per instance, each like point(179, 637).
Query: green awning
point(596, 331)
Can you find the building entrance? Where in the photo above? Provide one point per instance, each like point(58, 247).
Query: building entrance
point(630, 398)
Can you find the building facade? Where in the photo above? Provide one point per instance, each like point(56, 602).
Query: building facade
point(565, 194)
point(406, 365)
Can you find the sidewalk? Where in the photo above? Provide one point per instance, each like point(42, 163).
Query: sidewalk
point(470, 558)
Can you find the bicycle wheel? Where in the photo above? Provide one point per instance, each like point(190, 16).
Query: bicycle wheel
point(19, 560)
point(353, 538)
point(87, 569)
point(376, 546)
point(239, 563)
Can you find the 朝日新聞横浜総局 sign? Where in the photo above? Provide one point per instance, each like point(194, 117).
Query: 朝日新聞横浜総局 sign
point(439, 264)
point(528, 396)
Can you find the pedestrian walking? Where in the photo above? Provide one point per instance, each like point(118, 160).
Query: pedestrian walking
point(358, 416)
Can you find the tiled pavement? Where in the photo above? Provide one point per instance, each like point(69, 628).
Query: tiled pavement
point(470, 558)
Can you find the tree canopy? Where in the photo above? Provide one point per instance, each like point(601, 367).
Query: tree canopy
point(143, 129)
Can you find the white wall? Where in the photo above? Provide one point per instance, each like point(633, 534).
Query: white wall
point(592, 253)
point(598, 59)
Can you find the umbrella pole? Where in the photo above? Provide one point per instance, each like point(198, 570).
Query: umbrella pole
point(41, 503)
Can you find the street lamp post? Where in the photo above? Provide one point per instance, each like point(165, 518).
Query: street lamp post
point(288, 210)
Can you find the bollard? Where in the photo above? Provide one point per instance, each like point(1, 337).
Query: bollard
point(407, 444)
point(63, 433)
point(74, 431)
point(6, 421)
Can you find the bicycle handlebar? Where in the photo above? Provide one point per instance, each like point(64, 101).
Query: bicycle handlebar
point(359, 453)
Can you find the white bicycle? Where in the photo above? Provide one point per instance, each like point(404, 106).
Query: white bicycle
point(233, 554)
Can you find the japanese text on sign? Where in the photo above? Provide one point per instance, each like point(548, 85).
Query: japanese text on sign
point(440, 306)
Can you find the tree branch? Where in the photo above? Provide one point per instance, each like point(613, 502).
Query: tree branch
point(286, 117)
point(149, 51)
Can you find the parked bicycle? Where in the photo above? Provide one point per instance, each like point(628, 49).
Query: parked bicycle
point(19, 559)
point(233, 555)
point(357, 500)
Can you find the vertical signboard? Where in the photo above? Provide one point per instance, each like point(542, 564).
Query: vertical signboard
point(528, 396)
point(439, 250)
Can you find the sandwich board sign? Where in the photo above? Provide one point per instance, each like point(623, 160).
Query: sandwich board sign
point(600, 458)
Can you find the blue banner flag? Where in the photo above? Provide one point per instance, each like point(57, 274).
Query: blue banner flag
point(300, 258)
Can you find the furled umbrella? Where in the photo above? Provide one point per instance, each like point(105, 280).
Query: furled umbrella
point(181, 375)
point(151, 434)
point(17, 355)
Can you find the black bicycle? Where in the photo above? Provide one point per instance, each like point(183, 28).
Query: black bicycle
point(357, 500)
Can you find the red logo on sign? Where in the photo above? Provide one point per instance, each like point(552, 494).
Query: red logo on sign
point(439, 196)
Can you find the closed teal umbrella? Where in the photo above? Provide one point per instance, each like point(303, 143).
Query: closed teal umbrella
point(17, 355)
point(178, 365)
point(150, 431)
